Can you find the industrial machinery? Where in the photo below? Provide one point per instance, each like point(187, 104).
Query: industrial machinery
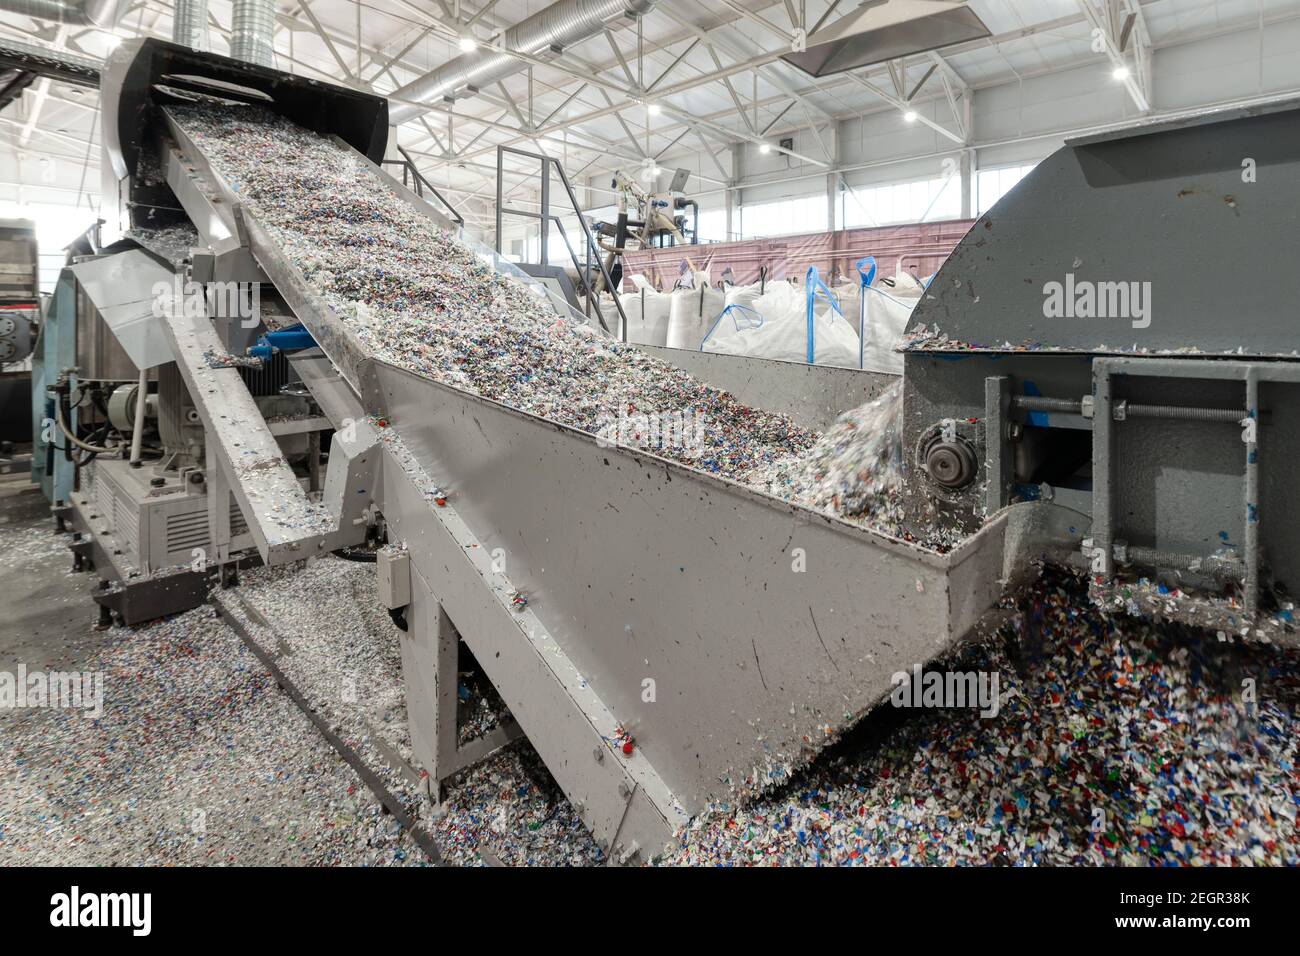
point(1107, 361)
point(111, 392)
point(667, 652)
point(20, 313)
point(647, 219)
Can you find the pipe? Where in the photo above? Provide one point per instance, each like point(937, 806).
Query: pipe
point(85, 13)
point(137, 434)
point(67, 433)
point(190, 24)
point(553, 29)
point(252, 31)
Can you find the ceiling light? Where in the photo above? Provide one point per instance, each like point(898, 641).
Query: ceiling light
point(765, 149)
point(467, 43)
point(1120, 73)
point(654, 109)
point(910, 116)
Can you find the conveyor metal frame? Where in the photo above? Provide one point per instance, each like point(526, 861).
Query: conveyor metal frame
point(731, 667)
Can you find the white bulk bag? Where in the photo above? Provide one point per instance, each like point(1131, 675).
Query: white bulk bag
point(692, 312)
point(849, 296)
point(744, 295)
point(647, 313)
point(885, 311)
point(776, 327)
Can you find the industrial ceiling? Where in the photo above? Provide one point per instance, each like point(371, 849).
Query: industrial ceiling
point(685, 77)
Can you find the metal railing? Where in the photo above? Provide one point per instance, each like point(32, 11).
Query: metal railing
point(544, 219)
point(414, 180)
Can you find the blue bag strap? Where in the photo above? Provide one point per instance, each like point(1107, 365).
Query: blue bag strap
point(733, 310)
point(867, 270)
point(813, 285)
point(866, 275)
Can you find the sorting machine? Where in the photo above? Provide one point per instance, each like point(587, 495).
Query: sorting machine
point(664, 637)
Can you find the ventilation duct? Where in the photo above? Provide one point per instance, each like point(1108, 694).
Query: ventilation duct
point(546, 34)
point(881, 30)
point(190, 24)
point(252, 31)
point(86, 13)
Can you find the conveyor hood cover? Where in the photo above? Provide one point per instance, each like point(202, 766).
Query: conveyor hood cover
point(135, 80)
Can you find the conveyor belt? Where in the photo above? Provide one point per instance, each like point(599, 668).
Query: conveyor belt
point(653, 569)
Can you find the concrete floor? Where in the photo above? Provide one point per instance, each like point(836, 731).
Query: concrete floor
point(45, 610)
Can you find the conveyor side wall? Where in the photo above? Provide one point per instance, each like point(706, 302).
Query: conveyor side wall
point(680, 597)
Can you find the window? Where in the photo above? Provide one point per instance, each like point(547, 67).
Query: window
point(603, 214)
point(784, 217)
point(925, 200)
point(713, 225)
point(57, 225)
point(992, 184)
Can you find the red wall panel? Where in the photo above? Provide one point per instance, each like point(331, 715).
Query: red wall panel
point(915, 247)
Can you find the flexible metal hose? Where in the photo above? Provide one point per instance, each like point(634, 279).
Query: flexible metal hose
point(67, 433)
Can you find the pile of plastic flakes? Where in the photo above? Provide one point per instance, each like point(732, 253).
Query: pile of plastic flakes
point(327, 632)
point(323, 625)
point(196, 758)
point(1222, 613)
point(479, 708)
point(173, 243)
point(1116, 742)
point(418, 297)
point(508, 810)
point(855, 470)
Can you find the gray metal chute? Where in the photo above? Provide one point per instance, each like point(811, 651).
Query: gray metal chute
point(1141, 225)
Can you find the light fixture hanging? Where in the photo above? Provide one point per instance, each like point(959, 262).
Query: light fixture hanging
point(881, 30)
